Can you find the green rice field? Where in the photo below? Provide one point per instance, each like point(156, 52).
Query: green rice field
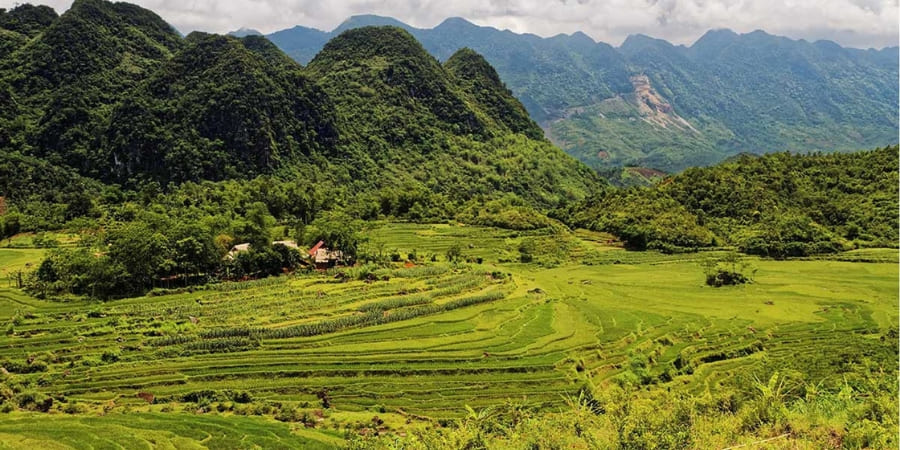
point(417, 343)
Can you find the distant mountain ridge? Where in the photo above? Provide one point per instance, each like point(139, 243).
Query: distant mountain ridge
point(244, 32)
point(651, 103)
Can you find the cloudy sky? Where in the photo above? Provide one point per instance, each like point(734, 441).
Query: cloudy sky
point(855, 23)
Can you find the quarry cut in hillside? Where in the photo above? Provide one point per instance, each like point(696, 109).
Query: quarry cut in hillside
point(652, 107)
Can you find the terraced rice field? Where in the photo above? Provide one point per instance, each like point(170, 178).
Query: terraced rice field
point(148, 430)
point(425, 341)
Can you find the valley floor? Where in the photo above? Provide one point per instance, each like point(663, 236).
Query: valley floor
point(413, 347)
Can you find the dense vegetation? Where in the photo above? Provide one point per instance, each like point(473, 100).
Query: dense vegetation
point(218, 109)
point(584, 345)
point(374, 127)
point(60, 86)
point(133, 160)
point(776, 205)
point(483, 83)
point(366, 131)
point(750, 92)
point(22, 23)
point(114, 93)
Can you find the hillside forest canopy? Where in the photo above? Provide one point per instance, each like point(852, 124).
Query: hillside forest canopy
point(649, 103)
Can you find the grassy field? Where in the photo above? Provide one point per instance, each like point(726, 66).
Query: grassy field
point(399, 348)
point(31, 240)
point(153, 430)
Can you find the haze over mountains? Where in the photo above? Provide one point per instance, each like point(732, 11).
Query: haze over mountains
point(651, 103)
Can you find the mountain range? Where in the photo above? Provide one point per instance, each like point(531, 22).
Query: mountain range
point(113, 93)
point(651, 103)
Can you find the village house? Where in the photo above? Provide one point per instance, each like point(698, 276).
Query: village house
point(288, 244)
point(325, 258)
point(237, 249)
point(246, 247)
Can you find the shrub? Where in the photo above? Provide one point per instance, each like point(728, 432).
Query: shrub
point(726, 271)
point(241, 397)
point(723, 277)
point(288, 414)
point(73, 408)
point(454, 252)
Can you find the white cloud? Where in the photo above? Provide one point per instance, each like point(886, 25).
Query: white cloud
point(858, 23)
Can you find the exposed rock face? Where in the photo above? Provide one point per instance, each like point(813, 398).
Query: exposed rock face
point(653, 108)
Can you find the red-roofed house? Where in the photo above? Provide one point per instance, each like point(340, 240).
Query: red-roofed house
point(315, 249)
point(325, 258)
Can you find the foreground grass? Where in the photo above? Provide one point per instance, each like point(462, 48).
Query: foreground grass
point(146, 430)
point(398, 351)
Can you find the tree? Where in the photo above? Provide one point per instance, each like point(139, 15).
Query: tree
point(195, 255)
point(79, 205)
point(454, 252)
point(10, 225)
point(728, 270)
point(338, 230)
point(142, 251)
point(257, 228)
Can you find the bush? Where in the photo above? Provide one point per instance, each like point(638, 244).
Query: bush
point(73, 408)
point(724, 277)
point(454, 252)
point(510, 212)
point(726, 271)
point(33, 401)
point(288, 414)
point(241, 397)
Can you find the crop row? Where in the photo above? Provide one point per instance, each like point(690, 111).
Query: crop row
point(373, 316)
point(396, 302)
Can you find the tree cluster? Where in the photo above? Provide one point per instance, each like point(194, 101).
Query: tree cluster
point(777, 205)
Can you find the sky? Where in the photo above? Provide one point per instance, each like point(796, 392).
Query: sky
point(852, 23)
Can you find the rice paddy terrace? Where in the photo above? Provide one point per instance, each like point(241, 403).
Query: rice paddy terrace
point(420, 342)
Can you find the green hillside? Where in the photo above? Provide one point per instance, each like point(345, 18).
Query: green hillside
point(218, 109)
point(381, 78)
point(482, 83)
point(131, 102)
point(654, 104)
point(775, 205)
point(20, 24)
point(60, 86)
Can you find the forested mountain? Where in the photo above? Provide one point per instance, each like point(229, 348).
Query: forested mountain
point(404, 118)
point(22, 23)
point(57, 89)
point(218, 109)
point(652, 103)
point(775, 205)
point(111, 91)
point(482, 82)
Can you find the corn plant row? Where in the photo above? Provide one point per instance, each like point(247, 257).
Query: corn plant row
point(396, 302)
point(373, 318)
